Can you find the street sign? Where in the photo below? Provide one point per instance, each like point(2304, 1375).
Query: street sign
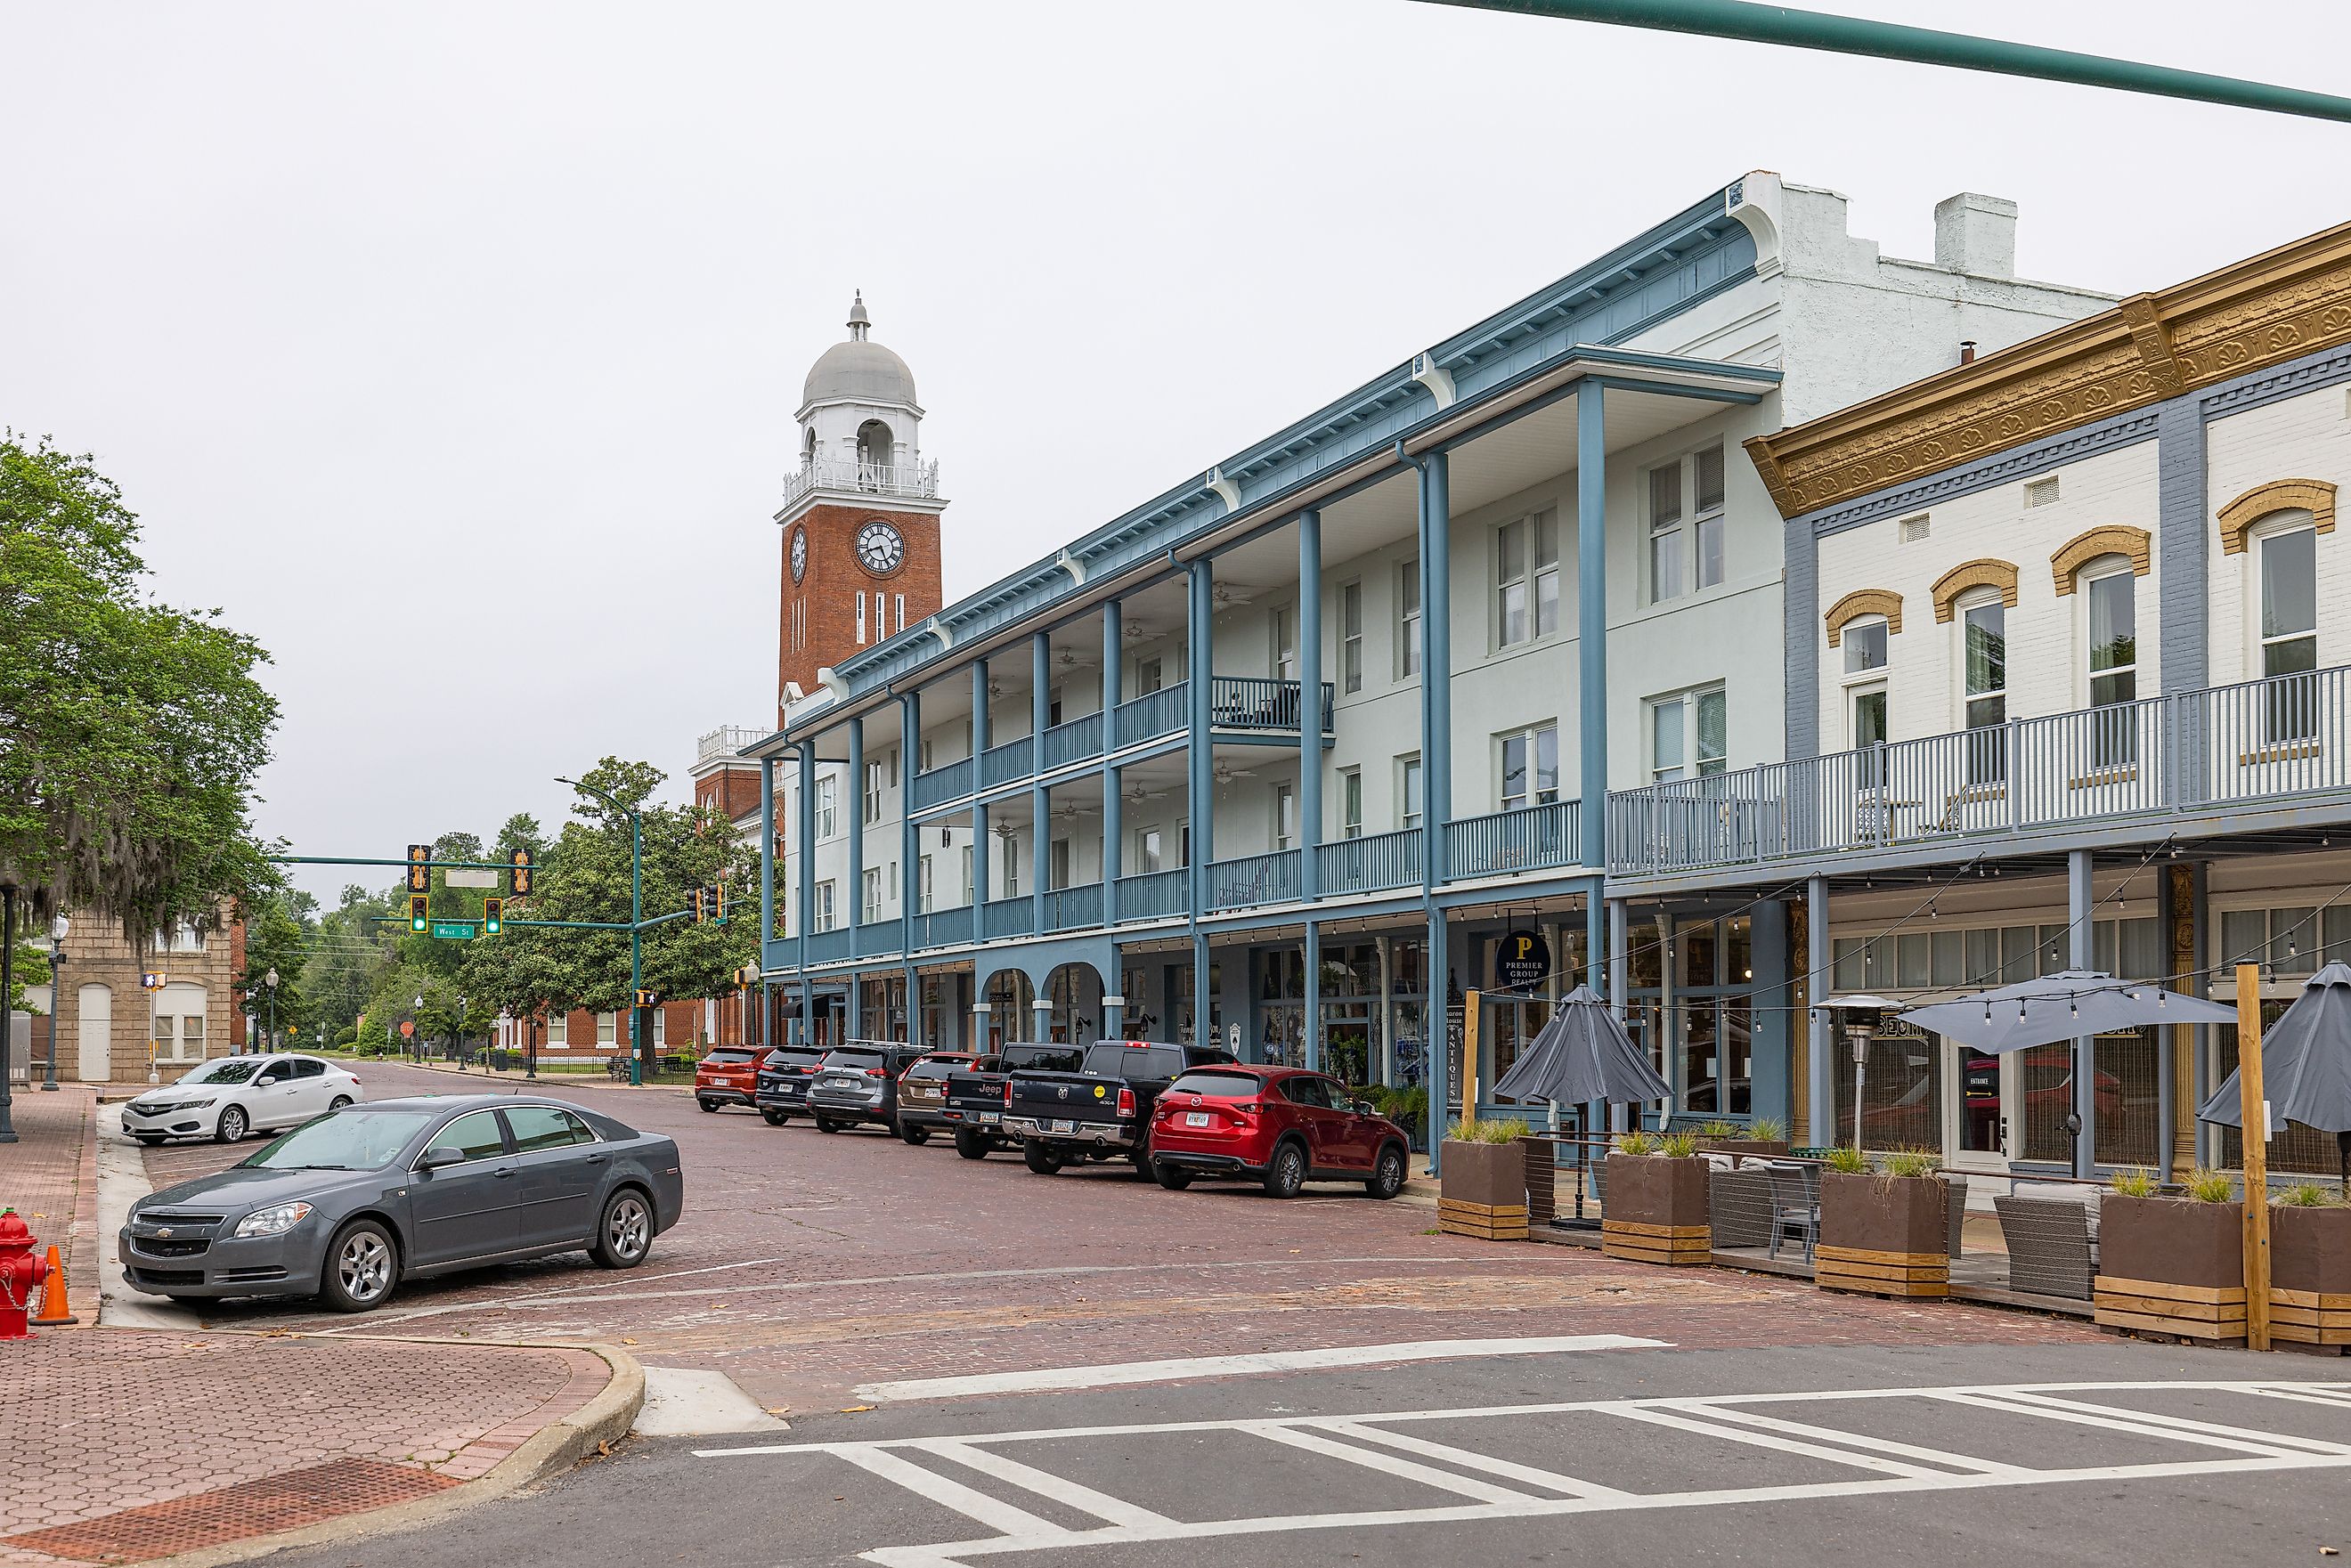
point(461, 878)
point(407, 1028)
point(152, 979)
point(454, 930)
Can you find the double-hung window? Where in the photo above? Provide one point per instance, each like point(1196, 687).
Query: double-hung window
point(1150, 674)
point(873, 791)
point(1526, 578)
point(2113, 611)
point(1688, 735)
point(872, 894)
point(1351, 637)
point(1285, 816)
point(1408, 794)
point(826, 907)
point(1409, 621)
point(1285, 642)
point(2289, 634)
point(1530, 767)
point(1350, 803)
point(825, 823)
point(1864, 684)
point(927, 888)
point(1686, 524)
point(1146, 852)
point(861, 620)
point(1984, 625)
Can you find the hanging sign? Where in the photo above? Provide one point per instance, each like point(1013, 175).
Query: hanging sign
point(1522, 961)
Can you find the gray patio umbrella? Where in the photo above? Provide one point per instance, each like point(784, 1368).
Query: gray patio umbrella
point(2305, 1066)
point(2071, 1004)
point(1582, 1055)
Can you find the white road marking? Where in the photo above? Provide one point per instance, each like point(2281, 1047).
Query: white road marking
point(1719, 1416)
point(683, 1402)
point(1389, 1464)
point(2308, 1394)
point(1102, 1505)
point(1121, 1373)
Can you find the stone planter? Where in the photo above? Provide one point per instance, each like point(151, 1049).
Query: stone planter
point(1884, 1235)
point(2173, 1266)
point(1482, 1190)
point(2309, 1276)
point(1770, 1148)
point(1656, 1210)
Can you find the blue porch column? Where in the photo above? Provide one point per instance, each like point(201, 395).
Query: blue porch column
point(1311, 1030)
point(1591, 621)
point(1199, 775)
point(978, 813)
point(1820, 1062)
point(1309, 722)
point(804, 912)
point(766, 866)
point(1041, 711)
point(1113, 827)
point(1203, 1032)
point(1436, 1047)
point(2080, 956)
point(910, 748)
point(856, 889)
point(1435, 664)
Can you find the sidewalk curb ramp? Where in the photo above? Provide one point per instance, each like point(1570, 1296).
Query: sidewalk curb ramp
point(547, 1452)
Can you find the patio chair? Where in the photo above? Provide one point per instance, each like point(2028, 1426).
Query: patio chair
point(1795, 1207)
point(1958, 1209)
point(2050, 1252)
point(1738, 1206)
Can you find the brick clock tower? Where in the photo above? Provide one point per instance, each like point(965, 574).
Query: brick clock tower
point(860, 518)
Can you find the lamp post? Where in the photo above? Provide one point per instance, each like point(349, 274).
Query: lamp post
point(457, 1036)
point(416, 1017)
point(530, 1046)
point(636, 925)
point(57, 929)
point(270, 1041)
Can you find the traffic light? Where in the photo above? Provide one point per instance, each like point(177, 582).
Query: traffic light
point(420, 869)
point(521, 860)
point(718, 903)
point(494, 910)
point(646, 999)
point(700, 907)
point(420, 910)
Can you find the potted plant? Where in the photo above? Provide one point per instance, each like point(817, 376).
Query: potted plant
point(1656, 1210)
point(1884, 1230)
point(2172, 1266)
point(2310, 1267)
point(1762, 1135)
point(1482, 1180)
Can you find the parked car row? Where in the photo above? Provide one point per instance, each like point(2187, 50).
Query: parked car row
point(1178, 1113)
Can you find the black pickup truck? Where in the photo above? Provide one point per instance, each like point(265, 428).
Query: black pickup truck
point(974, 1105)
point(1103, 1107)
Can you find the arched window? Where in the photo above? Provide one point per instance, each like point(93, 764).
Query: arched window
point(1982, 614)
point(2286, 558)
point(2109, 591)
point(808, 446)
point(874, 451)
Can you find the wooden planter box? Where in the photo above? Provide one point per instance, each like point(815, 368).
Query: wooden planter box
point(1770, 1148)
point(1482, 1190)
point(2170, 1266)
point(1656, 1210)
point(2309, 1276)
point(1884, 1235)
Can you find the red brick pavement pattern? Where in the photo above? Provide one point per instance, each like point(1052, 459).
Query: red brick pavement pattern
point(809, 1265)
point(239, 1513)
point(50, 1177)
point(101, 1422)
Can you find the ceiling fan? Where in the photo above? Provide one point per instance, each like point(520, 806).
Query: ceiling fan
point(1224, 772)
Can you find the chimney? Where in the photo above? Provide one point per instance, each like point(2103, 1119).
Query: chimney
point(1967, 350)
point(1976, 234)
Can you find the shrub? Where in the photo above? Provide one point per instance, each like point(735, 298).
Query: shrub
point(2205, 1185)
point(347, 1035)
point(1719, 1129)
point(1678, 1145)
point(1638, 1141)
point(1770, 1129)
point(1845, 1161)
point(1909, 1165)
point(1490, 1130)
point(2136, 1182)
point(2306, 1194)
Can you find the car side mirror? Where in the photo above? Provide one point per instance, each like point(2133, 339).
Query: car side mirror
point(1362, 1107)
point(440, 1154)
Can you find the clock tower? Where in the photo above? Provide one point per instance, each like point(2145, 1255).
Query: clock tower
point(860, 517)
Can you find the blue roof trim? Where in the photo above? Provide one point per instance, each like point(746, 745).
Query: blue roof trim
point(1690, 257)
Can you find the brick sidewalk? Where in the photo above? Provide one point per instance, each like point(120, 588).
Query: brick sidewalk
point(49, 1175)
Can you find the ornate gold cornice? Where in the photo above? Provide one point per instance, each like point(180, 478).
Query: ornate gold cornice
point(2261, 311)
point(2114, 538)
point(1982, 573)
point(1864, 602)
point(2315, 496)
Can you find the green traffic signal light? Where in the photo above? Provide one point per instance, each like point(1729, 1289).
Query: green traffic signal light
point(493, 915)
point(420, 911)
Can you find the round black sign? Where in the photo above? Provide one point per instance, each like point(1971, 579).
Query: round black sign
point(1521, 960)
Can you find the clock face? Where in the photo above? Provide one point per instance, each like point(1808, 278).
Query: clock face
point(879, 548)
point(799, 554)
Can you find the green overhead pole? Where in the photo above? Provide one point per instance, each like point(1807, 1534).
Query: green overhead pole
point(1757, 24)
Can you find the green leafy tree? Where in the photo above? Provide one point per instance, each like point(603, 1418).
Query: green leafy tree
point(130, 732)
point(32, 968)
point(353, 944)
point(277, 939)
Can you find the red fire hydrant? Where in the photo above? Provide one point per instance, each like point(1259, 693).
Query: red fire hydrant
point(21, 1272)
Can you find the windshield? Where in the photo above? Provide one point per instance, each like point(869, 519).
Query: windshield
point(793, 1059)
point(1120, 1059)
point(348, 1140)
point(1042, 1057)
point(727, 1058)
point(859, 1059)
point(936, 1067)
point(229, 1070)
point(1236, 1085)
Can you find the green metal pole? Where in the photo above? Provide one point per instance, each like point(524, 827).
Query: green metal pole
point(636, 947)
point(1758, 24)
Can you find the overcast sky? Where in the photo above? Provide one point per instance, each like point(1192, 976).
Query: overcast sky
point(452, 349)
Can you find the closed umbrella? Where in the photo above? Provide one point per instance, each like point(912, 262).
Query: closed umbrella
point(2073, 1004)
point(1582, 1054)
point(2305, 1066)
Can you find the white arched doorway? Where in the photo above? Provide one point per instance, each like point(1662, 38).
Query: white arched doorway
point(94, 1032)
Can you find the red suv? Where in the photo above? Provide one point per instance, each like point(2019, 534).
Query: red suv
point(727, 1076)
point(1277, 1125)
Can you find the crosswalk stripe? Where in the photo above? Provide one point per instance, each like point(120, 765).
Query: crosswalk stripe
point(1508, 1470)
point(1043, 1483)
point(2185, 1424)
point(1963, 1462)
point(1689, 1417)
point(2016, 1403)
point(968, 1501)
point(1371, 1459)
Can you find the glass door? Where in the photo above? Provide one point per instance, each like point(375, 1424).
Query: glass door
point(1978, 1087)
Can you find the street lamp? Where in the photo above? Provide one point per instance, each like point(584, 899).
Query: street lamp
point(57, 929)
point(636, 925)
point(416, 1017)
point(270, 980)
point(457, 1036)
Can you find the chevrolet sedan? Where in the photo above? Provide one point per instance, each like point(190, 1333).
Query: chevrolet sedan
point(346, 1207)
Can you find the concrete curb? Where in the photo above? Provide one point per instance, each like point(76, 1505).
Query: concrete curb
point(547, 1452)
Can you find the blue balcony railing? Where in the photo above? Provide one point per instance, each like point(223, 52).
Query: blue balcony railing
point(1369, 865)
point(1153, 895)
point(1074, 741)
point(1151, 715)
point(1007, 917)
point(942, 783)
point(876, 937)
point(829, 946)
point(1247, 702)
point(1532, 838)
point(1073, 908)
point(1251, 879)
point(1001, 764)
point(942, 927)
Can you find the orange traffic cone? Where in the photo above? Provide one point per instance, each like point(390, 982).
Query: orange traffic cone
point(54, 1313)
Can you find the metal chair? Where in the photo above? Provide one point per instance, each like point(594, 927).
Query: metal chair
point(2050, 1252)
point(1795, 1207)
point(1738, 1206)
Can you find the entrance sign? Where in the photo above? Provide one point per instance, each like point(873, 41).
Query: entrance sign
point(1522, 961)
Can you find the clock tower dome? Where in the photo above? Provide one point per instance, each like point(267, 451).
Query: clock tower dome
point(860, 517)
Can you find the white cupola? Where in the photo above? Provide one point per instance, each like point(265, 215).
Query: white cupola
point(858, 406)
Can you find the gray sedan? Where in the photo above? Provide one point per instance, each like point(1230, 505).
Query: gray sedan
point(346, 1207)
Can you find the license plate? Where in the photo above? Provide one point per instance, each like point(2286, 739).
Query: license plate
point(987, 1116)
point(1060, 1126)
point(1195, 1118)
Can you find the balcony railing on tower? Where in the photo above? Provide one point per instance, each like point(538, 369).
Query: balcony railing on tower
point(917, 479)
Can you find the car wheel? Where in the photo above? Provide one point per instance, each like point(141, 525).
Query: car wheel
point(1040, 1159)
point(232, 1124)
point(625, 1234)
point(972, 1145)
point(1287, 1173)
point(1387, 1174)
point(707, 1104)
point(774, 1118)
point(339, 1101)
point(916, 1135)
point(362, 1268)
point(827, 1125)
point(1140, 1161)
point(1172, 1180)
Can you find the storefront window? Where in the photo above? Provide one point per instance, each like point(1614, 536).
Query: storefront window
point(1901, 1096)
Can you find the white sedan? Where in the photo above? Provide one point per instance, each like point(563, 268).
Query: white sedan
point(231, 1096)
